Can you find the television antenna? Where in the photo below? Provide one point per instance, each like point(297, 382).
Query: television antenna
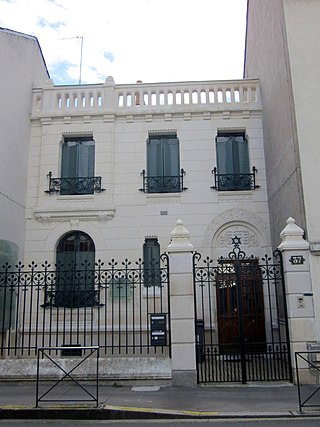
point(81, 50)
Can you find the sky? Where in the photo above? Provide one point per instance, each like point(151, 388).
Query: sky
point(149, 40)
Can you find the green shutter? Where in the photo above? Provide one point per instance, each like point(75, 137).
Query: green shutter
point(163, 162)
point(151, 262)
point(75, 286)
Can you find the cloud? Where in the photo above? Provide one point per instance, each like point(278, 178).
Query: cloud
point(65, 72)
point(109, 56)
point(54, 25)
point(151, 40)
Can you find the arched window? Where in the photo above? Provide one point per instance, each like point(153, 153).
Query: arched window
point(75, 271)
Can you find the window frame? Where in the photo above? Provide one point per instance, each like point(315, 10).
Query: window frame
point(77, 167)
point(151, 262)
point(163, 163)
point(233, 161)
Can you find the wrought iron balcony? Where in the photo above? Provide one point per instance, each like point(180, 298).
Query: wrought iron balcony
point(235, 182)
point(162, 184)
point(72, 186)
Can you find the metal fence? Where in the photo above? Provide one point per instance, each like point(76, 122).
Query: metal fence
point(241, 318)
point(110, 306)
point(308, 395)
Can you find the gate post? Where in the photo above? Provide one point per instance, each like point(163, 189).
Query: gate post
point(299, 294)
point(183, 347)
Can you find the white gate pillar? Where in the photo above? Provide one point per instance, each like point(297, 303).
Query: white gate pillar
point(299, 294)
point(183, 348)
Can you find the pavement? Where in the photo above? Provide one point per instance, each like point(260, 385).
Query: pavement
point(68, 401)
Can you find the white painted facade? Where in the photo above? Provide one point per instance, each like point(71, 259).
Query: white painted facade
point(119, 218)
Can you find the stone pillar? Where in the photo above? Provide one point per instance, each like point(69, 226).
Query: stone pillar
point(299, 294)
point(182, 308)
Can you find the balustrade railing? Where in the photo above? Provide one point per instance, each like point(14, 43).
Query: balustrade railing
point(109, 306)
point(109, 98)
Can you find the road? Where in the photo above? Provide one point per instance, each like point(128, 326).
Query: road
point(259, 422)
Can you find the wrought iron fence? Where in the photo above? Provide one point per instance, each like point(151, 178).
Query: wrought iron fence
point(235, 182)
point(163, 184)
point(109, 306)
point(241, 318)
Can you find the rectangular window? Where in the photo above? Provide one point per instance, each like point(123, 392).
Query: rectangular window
point(233, 161)
point(151, 262)
point(163, 164)
point(77, 166)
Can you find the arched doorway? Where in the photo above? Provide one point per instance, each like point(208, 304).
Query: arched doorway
point(75, 271)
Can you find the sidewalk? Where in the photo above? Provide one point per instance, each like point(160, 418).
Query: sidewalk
point(18, 400)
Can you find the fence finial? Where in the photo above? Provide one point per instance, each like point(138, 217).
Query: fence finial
point(180, 238)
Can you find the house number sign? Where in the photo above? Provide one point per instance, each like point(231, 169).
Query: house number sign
point(297, 260)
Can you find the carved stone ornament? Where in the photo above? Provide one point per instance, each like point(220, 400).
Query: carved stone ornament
point(73, 215)
point(236, 216)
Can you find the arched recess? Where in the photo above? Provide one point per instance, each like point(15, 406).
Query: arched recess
point(249, 227)
point(75, 264)
point(60, 230)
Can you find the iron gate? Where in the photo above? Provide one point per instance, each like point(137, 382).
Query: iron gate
point(241, 318)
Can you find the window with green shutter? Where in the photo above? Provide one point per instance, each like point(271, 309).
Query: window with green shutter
point(75, 271)
point(151, 262)
point(77, 166)
point(163, 164)
point(233, 168)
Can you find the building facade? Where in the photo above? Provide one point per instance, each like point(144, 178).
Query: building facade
point(112, 174)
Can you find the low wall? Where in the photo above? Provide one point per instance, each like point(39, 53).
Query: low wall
point(110, 369)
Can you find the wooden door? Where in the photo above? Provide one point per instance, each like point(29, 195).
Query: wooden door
point(240, 299)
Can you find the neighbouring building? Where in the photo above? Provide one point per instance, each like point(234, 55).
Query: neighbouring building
point(22, 69)
point(282, 51)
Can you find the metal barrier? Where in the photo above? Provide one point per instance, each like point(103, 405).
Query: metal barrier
point(45, 352)
point(310, 359)
point(105, 304)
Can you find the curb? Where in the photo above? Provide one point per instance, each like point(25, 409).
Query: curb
point(106, 412)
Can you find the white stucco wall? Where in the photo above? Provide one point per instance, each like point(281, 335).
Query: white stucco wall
point(119, 218)
point(22, 67)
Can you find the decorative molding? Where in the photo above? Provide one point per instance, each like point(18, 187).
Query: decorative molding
point(108, 118)
point(74, 215)
point(162, 131)
point(248, 238)
point(46, 120)
point(236, 216)
point(231, 128)
point(160, 200)
point(77, 133)
point(238, 197)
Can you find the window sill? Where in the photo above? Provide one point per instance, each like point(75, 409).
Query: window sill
point(235, 196)
point(75, 197)
point(154, 197)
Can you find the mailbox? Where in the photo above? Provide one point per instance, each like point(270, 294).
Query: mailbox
point(158, 328)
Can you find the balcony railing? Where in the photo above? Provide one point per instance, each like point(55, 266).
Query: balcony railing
point(72, 186)
point(234, 182)
point(162, 184)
